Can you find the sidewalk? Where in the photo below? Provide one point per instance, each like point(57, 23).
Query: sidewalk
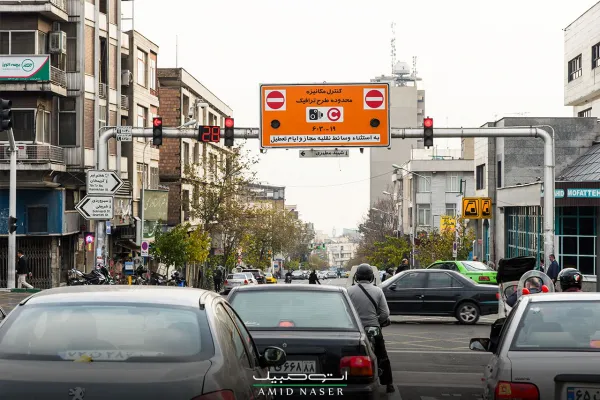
point(9, 299)
point(402, 319)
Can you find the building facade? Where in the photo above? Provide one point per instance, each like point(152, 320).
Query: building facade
point(582, 64)
point(407, 110)
point(61, 100)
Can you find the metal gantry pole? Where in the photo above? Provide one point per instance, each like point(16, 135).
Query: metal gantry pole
point(12, 211)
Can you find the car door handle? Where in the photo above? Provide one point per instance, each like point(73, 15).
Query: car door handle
point(419, 296)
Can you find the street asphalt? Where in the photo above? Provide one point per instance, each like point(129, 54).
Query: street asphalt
point(430, 356)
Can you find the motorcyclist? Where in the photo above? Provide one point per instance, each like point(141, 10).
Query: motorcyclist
point(570, 280)
point(534, 285)
point(288, 276)
point(372, 308)
point(313, 279)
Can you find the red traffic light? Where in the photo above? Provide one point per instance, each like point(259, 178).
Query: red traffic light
point(428, 122)
point(228, 122)
point(157, 121)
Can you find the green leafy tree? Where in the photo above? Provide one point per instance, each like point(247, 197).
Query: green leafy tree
point(316, 262)
point(179, 246)
point(390, 252)
point(436, 245)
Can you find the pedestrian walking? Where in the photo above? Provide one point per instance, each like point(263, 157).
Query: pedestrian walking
point(217, 279)
point(553, 268)
point(313, 279)
point(23, 271)
point(403, 267)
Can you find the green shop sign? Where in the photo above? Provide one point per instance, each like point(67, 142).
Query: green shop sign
point(25, 68)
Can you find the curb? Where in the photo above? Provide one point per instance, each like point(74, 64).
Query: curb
point(34, 290)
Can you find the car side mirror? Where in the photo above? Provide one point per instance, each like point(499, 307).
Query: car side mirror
point(480, 344)
point(273, 357)
point(392, 286)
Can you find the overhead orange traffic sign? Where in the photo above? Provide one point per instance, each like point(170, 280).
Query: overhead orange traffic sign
point(471, 208)
point(324, 115)
point(486, 208)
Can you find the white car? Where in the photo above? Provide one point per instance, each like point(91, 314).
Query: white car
point(321, 275)
point(547, 348)
point(331, 274)
point(235, 280)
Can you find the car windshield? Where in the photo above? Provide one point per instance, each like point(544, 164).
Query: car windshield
point(559, 326)
point(109, 332)
point(297, 273)
point(240, 276)
point(475, 266)
point(300, 309)
point(269, 275)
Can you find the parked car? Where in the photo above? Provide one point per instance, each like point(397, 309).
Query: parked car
point(319, 328)
point(331, 274)
point(234, 280)
point(270, 278)
point(440, 293)
point(321, 275)
point(475, 270)
point(299, 274)
point(547, 348)
point(510, 271)
point(115, 342)
point(259, 276)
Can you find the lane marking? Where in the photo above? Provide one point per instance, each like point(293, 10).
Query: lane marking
point(411, 351)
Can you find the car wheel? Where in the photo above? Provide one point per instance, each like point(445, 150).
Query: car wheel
point(467, 313)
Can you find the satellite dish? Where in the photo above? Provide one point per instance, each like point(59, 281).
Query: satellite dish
point(401, 68)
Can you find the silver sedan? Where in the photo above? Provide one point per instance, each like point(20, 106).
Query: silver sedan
point(547, 348)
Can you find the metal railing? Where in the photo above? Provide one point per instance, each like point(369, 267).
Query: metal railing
point(58, 76)
point(102, 91)
point(124, 102)
point(34, 153)
point(62, 4)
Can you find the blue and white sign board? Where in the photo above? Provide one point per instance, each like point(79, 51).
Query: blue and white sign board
point(145, 246)
point(128, 268)
point(584, 193)
point(108, 228)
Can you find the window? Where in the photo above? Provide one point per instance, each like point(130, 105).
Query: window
point(152, 74)
point(44, 127)
point(596, 55)
point(451, 209)
point(67, 122)
point(71, 198)
point(186, 153)
point(480, 177)
point(305, 309)
point(554, 325)
point(185, 200)
point(141, 121)
point(499, 174)
point(476, 266)
point(37, 219)
point(71, 31)
point(141, 333)
point(408, 280)
point(244, 332)
point(423, 214)
point(23, 125)
point(233, 338)
point(585, 113)
point(197, 153)
point(41, 43)
point(153, 178)
point(424, 183)
point(440, 280)
point(141, 68)
point(575, 68)
point(103, 116)
point(21, 42)
point(212, 165)
point(452, 183)
point(140, 172)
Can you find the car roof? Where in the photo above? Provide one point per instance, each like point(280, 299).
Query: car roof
point(563, 296)
point(158, 295)
point(300, 287)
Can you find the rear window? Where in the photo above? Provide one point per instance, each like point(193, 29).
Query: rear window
point(475, 266)
point(556, 326)
point(239, 276)
point(307, 310)
point(297, 273)
point(108, 332)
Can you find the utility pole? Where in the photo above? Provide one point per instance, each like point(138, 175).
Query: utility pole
point(12, 212)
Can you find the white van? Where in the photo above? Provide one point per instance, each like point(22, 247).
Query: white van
point(350, 279)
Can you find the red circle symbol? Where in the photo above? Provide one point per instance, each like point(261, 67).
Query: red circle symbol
point(275, 100)
point(374, 98)
point(334, 114)
point(228, 122)
point(428, 122)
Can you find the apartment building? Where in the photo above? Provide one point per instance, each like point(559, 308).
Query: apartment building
point(266, 196)
point(61, 99)
point(582, 64)
point(184, 98)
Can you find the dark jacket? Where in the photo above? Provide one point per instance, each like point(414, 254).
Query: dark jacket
point(22, 266)
point(553, 270)
point(218, 276)
point(313, 279)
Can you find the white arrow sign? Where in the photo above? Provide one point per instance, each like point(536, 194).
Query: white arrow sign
point(324, 153)
point(103, 182)
point(96, 207)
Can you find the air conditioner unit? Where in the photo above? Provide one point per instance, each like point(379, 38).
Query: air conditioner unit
point(21, 152)
point(126, 77)
point(58, 42)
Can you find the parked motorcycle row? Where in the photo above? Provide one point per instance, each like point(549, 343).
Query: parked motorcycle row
point(101, 276)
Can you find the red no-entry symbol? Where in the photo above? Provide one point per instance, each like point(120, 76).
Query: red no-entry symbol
point(275, 100)
point(374, 99)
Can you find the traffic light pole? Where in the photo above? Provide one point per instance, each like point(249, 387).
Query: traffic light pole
point(12, 212)
point(396, 133)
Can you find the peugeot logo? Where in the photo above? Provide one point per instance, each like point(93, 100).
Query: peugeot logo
point(77, 393)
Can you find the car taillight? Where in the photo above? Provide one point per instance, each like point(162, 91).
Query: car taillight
point(497, 296)
point(245, 282)
point(521, 391)
point(286, 324)
point(219, 395)
point(357, 366)
point(484, 278)
point(226, 281)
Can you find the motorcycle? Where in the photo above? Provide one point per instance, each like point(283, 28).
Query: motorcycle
point(288, 279)
point(177, 279)
point(98, 276)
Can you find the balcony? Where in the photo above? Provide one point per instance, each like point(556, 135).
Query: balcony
point(124, 102)
point(34, 157)
point(56, 10)
point(31, 73)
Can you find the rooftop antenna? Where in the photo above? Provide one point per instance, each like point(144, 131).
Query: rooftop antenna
point(414, 66)
point(393, 44)
point(176, 51)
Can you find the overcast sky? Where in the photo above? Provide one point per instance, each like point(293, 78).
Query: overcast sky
point(479, 60)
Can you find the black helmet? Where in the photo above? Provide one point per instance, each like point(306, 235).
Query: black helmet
point(364, 272)
point(570, 278)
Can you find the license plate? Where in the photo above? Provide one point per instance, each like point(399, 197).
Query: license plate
point(234, 283)
point(296, 367)
point(583, 393)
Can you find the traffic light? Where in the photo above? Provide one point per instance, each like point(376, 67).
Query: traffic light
point(229, 132)
point(12, 224)
point(428, 132)
point(157, 131)
point(5, 115)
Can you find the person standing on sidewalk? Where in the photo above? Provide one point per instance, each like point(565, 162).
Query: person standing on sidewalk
point(23, 271)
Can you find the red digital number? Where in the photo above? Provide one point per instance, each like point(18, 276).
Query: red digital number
point(206, 133)
point(216, 134)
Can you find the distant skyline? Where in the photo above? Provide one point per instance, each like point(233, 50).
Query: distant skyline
point(478, 60)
